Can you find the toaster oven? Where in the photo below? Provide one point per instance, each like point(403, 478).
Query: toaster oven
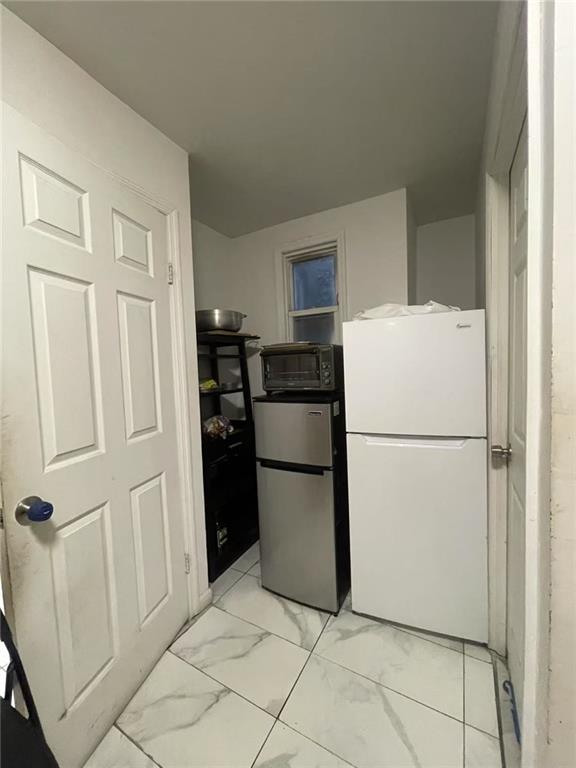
point(302, 365)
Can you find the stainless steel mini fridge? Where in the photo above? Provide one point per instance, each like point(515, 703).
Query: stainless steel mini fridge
point(303, 498)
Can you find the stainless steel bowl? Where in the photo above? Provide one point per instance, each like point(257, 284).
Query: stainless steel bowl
point(219, 320)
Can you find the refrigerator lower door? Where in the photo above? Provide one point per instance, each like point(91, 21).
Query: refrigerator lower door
point(297, 539)
point(418, 528)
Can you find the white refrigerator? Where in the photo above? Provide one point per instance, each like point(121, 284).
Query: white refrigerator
point(415, 391)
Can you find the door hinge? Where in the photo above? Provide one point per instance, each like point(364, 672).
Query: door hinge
point(170, 273)
point(186, 562)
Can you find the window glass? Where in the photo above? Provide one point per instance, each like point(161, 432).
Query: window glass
point(314, 282)
point(318, 328)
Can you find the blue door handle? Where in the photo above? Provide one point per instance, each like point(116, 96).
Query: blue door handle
point(33, 509)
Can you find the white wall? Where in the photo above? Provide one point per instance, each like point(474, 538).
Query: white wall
point(562, 681)
point(55, 93)
point(240, 273)
point(446, 262)
point(412, 235)
point(212, 255)
point(49, 89)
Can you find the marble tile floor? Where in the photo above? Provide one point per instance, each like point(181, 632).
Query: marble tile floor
point(257, 681)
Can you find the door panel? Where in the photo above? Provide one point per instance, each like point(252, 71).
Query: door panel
point(53, 205)
point(66, 354)
point(517, 418)
point(300, 433)
point(132, 243)
point(88, 628)
point(99, 590)
point(138, 346)
point(151, 541)
point(439, 389)
point(418, 518)
point(297, 543)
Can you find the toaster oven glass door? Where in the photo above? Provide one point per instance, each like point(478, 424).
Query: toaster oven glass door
point(292, 370)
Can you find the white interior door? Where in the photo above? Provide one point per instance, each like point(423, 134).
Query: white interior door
point(517, 417)
point(99, 590)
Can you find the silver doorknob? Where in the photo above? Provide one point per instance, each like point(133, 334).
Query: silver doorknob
point(499, 452)
point(33, 509)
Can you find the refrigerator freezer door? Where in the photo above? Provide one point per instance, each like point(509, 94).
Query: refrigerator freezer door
point(416, 375)
point(299, 433)
point(418, 528)
point(297, 545)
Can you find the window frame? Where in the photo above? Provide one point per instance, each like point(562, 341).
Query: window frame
point(304, 250)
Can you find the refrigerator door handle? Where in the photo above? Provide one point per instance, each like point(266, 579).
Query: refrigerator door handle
point(442, 443)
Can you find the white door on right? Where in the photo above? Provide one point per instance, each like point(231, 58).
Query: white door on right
point(517, 416)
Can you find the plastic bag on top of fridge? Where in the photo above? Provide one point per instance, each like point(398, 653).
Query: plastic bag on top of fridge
point(397, 310)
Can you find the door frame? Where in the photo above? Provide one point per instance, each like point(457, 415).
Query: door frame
point(191, 491)
point(191, 488)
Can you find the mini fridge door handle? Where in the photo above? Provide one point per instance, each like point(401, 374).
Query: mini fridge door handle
point(282, 466)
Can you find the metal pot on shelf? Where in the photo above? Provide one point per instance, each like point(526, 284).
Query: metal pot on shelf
point(219, 320)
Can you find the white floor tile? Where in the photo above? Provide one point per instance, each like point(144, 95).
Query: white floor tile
point(4, 656)
point(481, 750)
point(480, 696)
point(257, 665)
point(255, 570)
point(117, 751)
point(287, 749)
point(294, 622)
point(248, 559)
point(447, 642)
point(479, 652)
point(3, 685)
point(367, 724)
point(224, 582)
point(417, 668)
point(180, 717)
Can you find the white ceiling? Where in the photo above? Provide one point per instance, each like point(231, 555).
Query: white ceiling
point(288, 108)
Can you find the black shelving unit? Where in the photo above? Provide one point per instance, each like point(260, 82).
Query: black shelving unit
point(230, 493)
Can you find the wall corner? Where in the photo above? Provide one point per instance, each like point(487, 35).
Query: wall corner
point(411, 251)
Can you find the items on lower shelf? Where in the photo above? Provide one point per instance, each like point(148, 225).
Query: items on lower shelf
point(228, 452)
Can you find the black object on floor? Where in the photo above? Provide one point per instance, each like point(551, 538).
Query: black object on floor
point(23, 743)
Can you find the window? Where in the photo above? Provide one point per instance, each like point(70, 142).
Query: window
point(313, 312)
